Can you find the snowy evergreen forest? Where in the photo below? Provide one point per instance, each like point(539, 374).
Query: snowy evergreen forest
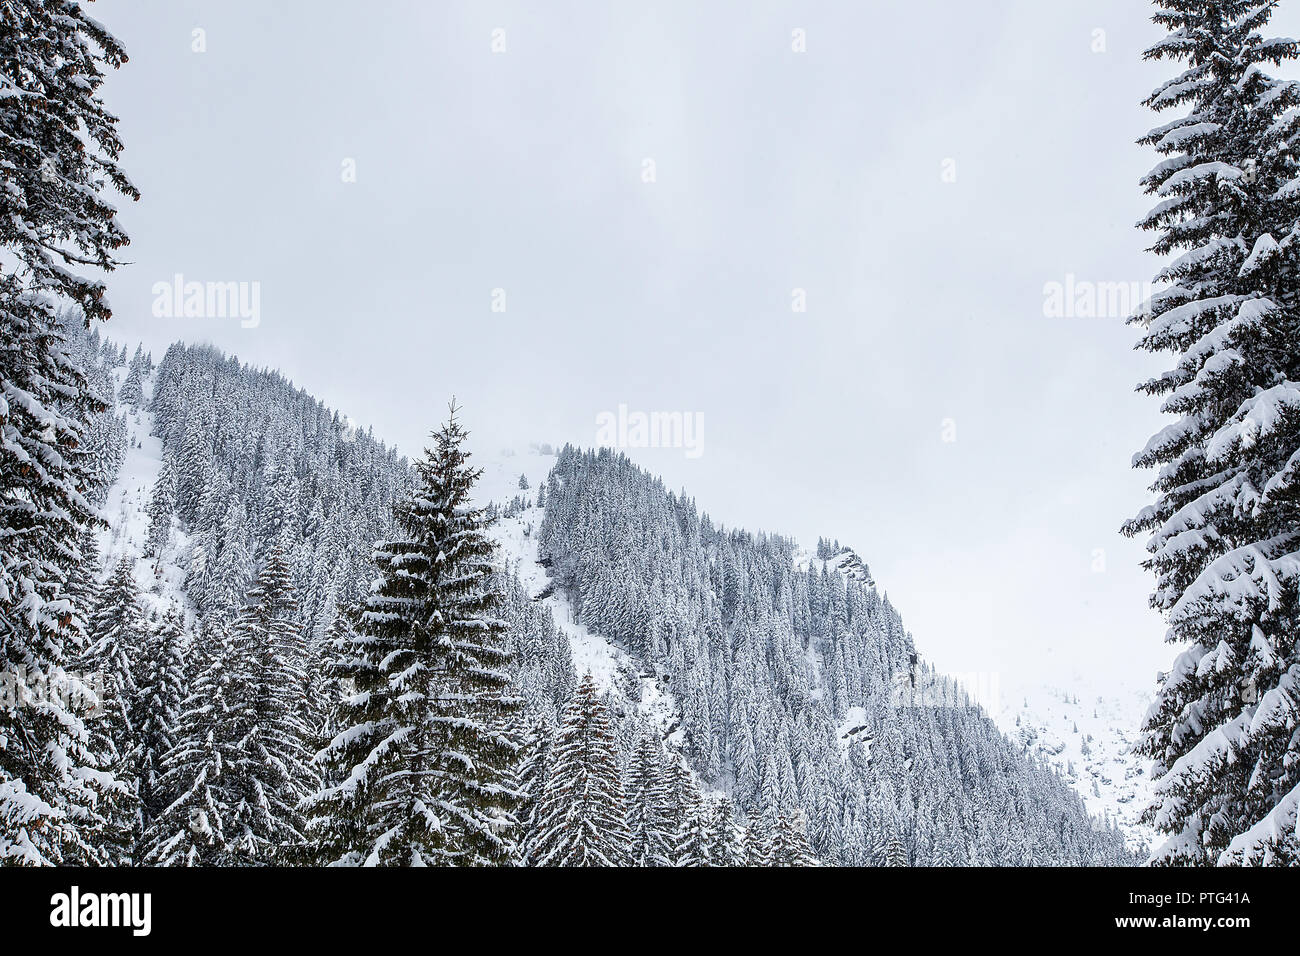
point(235, 630)
point(799, 733)
point(800, 688)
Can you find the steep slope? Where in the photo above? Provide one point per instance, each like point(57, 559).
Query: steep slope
point(798, 685)
point(1087, 738)
point(127, 458)
point(639, 697)
point(126, 504)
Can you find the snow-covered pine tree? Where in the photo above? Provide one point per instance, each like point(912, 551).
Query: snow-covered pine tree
point(274, 773)
point(162, 505)
point(82, 588)
point(692, 843)
point(688, 830)
point(191, 829)
point(192, 466)
point(231, 563)
point(58, 146)
point(894, 853)
point(321, 691)
point(647, 806)
point(790, 845)
point(104, 442)
point(782, 846)
point(47, 781)
point(279, 524)
point(582, 815)
point(131, 394)
point(757, 844)
point(423, 757)
point(724, 837)
point(534, 769)
point(240, 768)
point(1224, 529)
point(116, 630)
point(159, 698)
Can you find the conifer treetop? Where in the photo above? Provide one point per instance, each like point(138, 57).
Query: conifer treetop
point(61, 146)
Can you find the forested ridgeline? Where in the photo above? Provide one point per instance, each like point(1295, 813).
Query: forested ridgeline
point(800, 688)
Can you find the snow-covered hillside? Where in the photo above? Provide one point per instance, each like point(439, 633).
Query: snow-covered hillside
point(1096, 757)
point(611, 667)
point(705, 617)
point(125, 511)
point(1089, 738)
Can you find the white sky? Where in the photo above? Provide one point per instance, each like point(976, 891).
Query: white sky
point(775, 170)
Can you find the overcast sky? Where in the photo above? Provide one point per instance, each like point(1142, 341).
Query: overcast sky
point(921, 172)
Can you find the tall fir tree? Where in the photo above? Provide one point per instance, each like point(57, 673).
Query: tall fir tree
point(58, 148)
point(758, 840)
point(116, 631)
point(535, 765)
point(894, 853)
point(424, 758)
point(275, 772)
point(131, 394)
point(582, 814)
point(688, 839)
point(321, 690)
point(1224, 530)
point(240, 769)
point(47, 801)
point(160, 695)
point(648, 816)
point(191, 829)
point(83, 587)
point(790, 846)
point(162, 505)
point(724, 839)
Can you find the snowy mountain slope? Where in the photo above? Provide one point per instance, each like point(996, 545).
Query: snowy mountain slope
point(785, 668)
point(612, 668)
point(124, 510)
point(775, 685)
point(1089, 738)
point(615, 670)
